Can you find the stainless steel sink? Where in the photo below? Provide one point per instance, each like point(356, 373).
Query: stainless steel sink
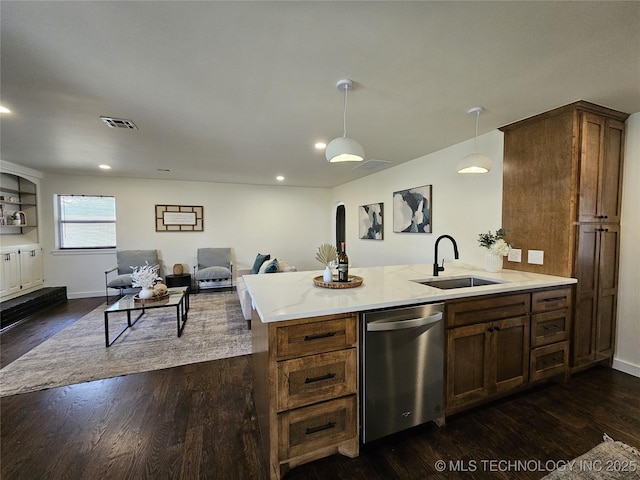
point(460, 282)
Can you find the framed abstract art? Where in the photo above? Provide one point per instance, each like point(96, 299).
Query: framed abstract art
point(412, 210)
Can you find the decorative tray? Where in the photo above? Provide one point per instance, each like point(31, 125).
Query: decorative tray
point(136, 298)
point(354, 281)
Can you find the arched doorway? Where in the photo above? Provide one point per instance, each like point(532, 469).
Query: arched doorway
point(340, 226)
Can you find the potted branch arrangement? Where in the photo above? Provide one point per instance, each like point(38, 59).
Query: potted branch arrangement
point(145, 277)
point(326, 254)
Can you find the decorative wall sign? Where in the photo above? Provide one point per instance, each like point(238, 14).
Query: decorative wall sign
point(371, 218)
point(412, 210)
point(179, 218)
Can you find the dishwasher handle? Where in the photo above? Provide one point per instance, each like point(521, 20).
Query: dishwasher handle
point(385, 326)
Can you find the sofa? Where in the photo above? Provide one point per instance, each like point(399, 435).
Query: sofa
point(262, 266)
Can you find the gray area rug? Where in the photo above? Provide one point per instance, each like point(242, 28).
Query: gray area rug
point(610, 460)
point(215, 329)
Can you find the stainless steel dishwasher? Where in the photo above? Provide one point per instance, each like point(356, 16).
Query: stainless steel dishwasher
point(402, 355)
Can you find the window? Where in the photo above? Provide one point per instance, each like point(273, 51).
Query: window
point(86, 221)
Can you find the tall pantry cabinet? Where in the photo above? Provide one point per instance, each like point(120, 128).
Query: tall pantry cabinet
point(562, 183)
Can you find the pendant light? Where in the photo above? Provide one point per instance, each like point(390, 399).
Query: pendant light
point(344, 149)
point(475, 162)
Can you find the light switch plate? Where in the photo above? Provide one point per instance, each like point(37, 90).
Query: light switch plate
point(536, 257)
point(515, 255)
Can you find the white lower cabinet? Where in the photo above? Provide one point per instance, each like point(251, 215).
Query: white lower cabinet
point(22, 270)
point(10, 281)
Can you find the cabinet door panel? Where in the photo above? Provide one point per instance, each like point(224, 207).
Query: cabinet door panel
point(467, 365)
point(510, 339)
point(611, 172)
point(10, 279)
point(591, 155)
point(586, 271)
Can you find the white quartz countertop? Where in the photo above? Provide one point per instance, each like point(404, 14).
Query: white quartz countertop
point(290, 295)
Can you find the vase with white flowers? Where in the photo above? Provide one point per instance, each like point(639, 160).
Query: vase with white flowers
point(497, 248)
point(145, 277)
point(326, 254)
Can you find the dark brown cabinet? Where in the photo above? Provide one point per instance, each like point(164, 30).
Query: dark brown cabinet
point(498, 344)
point(305, 375)
point(600, 184)
point(551, 320)
point(596, 294)
point(490, 357)
point(562, 184)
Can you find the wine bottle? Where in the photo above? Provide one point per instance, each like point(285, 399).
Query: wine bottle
point(343, 264)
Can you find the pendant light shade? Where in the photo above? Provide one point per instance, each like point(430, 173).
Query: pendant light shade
point(475, 162)
point(344, 149)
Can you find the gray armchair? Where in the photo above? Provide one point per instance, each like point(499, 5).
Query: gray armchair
point(126, 259)
point(214, 266)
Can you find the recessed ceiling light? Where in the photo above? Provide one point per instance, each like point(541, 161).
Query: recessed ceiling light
point(104, 167)
point(4, 109)
point(280, 178)
point(321, 145)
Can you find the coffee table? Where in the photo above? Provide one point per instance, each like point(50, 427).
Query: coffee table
point(178, 298)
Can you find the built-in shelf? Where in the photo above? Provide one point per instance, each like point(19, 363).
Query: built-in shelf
point(17, 194)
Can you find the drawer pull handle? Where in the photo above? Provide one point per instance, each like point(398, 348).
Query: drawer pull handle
point(553, 299)
point(328, 376)
point(312, 430)
point(552, 361)
point(308, 338)
point(552, 328)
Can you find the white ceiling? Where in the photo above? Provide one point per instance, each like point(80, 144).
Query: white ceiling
point(240, 91)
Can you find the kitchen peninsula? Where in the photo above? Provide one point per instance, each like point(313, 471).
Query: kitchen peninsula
point(306, 347)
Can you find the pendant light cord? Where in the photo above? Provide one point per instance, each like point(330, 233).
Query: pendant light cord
point(475, 140)
point(344, 118)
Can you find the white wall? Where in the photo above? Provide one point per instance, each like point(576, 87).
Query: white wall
point(627, 355)
point(463, 206)
point(286, 222)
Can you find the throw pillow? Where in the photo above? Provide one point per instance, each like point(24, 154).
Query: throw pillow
point(272, 267)
point(260, 259)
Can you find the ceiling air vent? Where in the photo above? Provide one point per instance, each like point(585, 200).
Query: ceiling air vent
point(119, 123)
point(371, 164)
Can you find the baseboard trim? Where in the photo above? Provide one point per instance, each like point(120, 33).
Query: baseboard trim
point(626, 367)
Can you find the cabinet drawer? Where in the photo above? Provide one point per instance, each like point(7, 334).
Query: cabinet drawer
point(318, 426)
point(549, 327)
point(549, 361)
point(551, 299)
point(315, 378)
point(307, 338)
point(467, 312)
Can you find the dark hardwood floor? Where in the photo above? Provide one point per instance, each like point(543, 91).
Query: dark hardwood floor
point(18, 339)
point(198, 422)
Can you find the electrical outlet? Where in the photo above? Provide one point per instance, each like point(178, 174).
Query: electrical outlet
point(536, 257)
point(515, 255)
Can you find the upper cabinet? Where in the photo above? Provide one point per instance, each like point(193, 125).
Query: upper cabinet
point(560, 168)
point(18, 204)
point(600, 184)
